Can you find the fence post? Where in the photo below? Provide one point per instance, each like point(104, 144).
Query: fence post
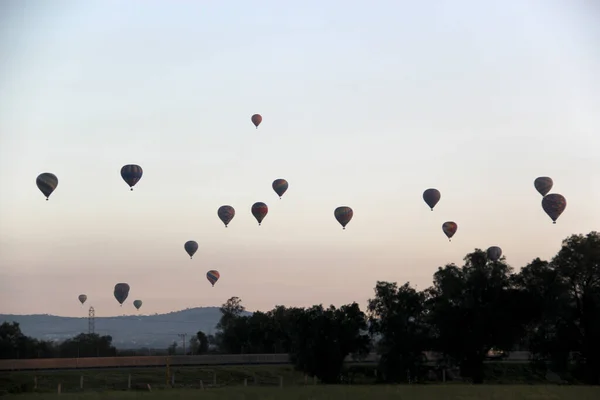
point(81, 382)
point(58, 390)
point(245, 381)
point(129, 382)
point(214, 379)
point(173, 379)
point(35, 382)
point(201, 385)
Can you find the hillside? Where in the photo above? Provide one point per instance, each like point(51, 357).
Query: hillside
point(128, 332)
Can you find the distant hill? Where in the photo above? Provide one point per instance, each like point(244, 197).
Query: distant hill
point(156, 331)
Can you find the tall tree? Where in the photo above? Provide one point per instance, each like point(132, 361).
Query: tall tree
point(202, 343)
point(398, 316)
point(578, 265)
point(474, 309)
point(323, 338)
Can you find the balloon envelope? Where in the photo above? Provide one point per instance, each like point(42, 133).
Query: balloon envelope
point(190, 247)
point(121, 292)
point(494, 253)
point(343, 215)
point(131, 174)
point(82, 298)
point(543, 185)
point(280, 186)
point(431, 197)
point(449, 228)
point(259, 210)
point(47, 183)
point(256, 120)
point(213, 276)
point(137, 304)
point(554, 204)
point(226, 214)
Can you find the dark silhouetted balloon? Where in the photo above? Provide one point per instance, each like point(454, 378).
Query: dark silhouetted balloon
point(121, 292)
point(449, 229)
point(543, 185)
point(131, 174)
point(554, 204)
point(494, 253)
point(256, 120)
point(213, 276)
point(137, 304)
point(47, 183)
point(259, 210)
point(191, 247)
point(280, 186)
point(431, 197)
point(343, 215)
point(226, 214)
point(82, 298)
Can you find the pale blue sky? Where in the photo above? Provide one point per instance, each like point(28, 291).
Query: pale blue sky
point(364, 104)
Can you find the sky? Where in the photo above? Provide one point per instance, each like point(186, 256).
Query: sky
point(363, 106)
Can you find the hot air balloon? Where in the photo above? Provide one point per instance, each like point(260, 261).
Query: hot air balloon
point(226, 214)
point(554, 204)
point(259, 210)
point(431, 197)
point(213, 276)
point(543, 185)
point(131, 174)
point(449, 229)
point(343, 215)
point(137, 304)
point(47, 183)
point(280, 186)
point(494, 253)
point(256, 120)
point(121, 292)
point(82, 298)
point(190, 247)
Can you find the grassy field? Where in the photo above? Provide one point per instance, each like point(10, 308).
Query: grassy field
point(246, 382)
point(319, 392)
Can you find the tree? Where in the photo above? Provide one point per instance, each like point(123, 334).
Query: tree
point(202, 340)
point(230, 310)
point(480, 300)
point(578, 265)
point(398, 316)
point(194, 345)
point(88, 345)
point(323, 338)
point(172, 349)
point(11, 338)
point(550, 332)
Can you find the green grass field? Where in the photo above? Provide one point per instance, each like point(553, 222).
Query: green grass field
point(404, 392)
point(263, 382)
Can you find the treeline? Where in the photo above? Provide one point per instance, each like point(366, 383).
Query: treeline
point(14, 344)
point(549, 308)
